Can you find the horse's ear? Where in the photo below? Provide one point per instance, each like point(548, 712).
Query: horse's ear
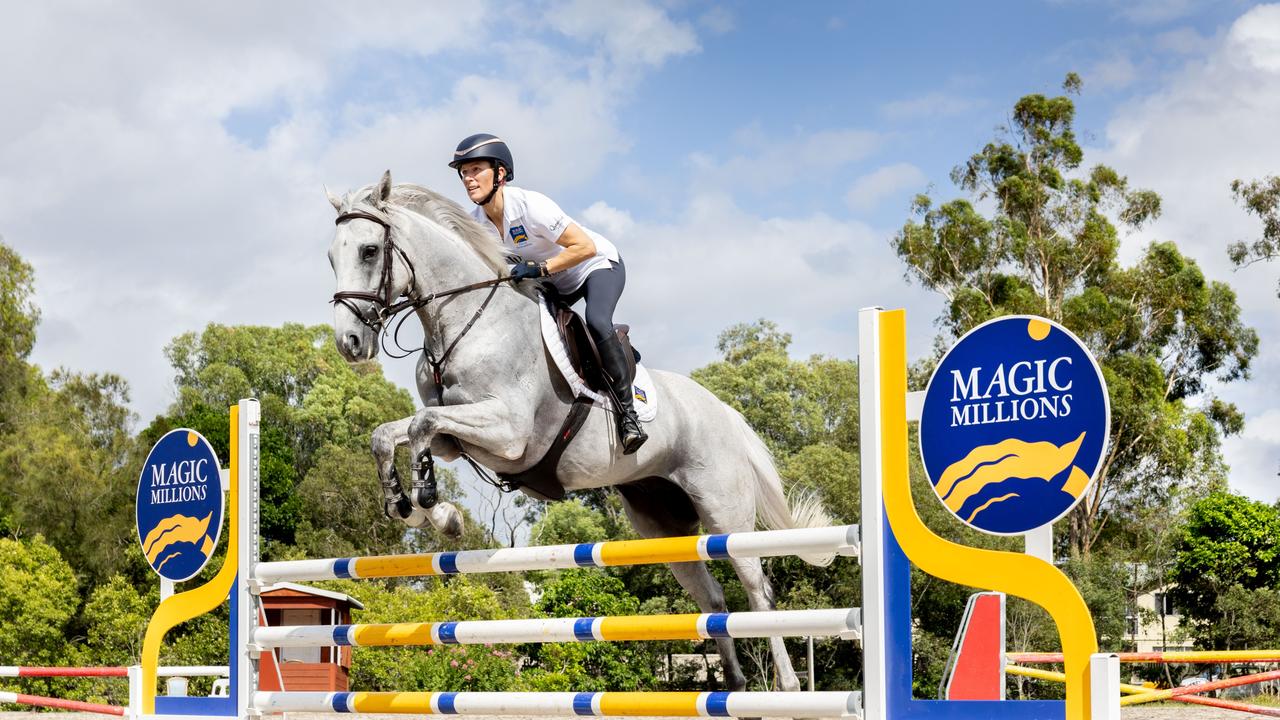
point(383, 191)
point(334, 200)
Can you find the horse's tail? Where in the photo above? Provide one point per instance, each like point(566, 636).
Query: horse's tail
point(804, 510)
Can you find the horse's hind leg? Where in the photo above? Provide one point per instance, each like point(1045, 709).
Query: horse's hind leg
point(655, 512)
point(760, 598)
point(728, 510)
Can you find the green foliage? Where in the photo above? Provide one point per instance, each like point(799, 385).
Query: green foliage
point(1247, 619)
point(791, 404)
point(568, 522)
point(116, 616)
point(341, 507)
point(310, 397)
point(1228, 541)
point(306, 388)
point(18, 319)
point(458, 667)
point(65, 472)
point(1261, 198)
point(38, 596)
point(1048, 247)
point(1102, 581)
point(591, 666)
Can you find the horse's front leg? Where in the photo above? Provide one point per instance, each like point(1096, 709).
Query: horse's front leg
point(489, 424)
point(384, 441)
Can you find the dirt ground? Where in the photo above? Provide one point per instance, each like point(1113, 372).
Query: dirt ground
point(1156, 712)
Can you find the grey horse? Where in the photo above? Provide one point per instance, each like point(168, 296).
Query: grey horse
point(501, 400)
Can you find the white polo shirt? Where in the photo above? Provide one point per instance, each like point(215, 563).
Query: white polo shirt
point(531, 225)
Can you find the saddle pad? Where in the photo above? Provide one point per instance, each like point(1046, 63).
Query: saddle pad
point(646, 396)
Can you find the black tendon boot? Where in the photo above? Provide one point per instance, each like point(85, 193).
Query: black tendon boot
point(614, 359)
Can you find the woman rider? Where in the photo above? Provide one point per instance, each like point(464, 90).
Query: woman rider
point(578, 262)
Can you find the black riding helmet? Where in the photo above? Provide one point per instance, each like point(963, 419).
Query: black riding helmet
point(483, 146)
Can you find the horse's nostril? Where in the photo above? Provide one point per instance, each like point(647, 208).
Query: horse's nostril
point(353, 342)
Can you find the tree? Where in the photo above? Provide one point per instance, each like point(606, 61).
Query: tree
point(790, 403)
point(1229, 541)
point(38, 596)
point(18, 319)
point(1048, 247)
point(309, 396)
point(305, 387)
point(341, 507)
point(453, 667)
point(1261, 198)
point(592, 666)
point(66, 472)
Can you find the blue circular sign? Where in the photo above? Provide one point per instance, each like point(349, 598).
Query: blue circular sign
point(179, 504)
point(1015, 425)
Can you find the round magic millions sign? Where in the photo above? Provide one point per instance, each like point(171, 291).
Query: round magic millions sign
point(1015, 425)
point(179, 504)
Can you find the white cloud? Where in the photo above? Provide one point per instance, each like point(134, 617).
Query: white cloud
point(609, 221)
point(1183, 41)
point(720, 263)
point(1154, 12)
point(765, 163)
point(718, 20)
point(1213, 122)
point(632, 32)
point(145, 218)
point(1114, 73)
point(869, 190)
point(929, 105)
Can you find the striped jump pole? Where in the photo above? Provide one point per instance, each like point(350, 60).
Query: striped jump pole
point(845, 624)
point(32, 671)
point(1170, 656)
point(59, 703)
point(632, 704)
point(841, 539)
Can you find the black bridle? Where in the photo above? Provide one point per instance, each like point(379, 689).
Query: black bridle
point(381, 298)
point(387, 306)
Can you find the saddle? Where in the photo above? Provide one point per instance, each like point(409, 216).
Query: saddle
point(541, 480)
point(583, 354)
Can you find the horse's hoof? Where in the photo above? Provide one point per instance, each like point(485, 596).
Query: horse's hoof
point(448, 520)
point(418, 519)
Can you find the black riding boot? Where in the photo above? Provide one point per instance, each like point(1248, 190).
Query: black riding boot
point(614, 359)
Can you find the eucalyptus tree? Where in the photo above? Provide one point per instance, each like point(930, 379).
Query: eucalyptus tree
point(1261, 198)
point(1040, 235)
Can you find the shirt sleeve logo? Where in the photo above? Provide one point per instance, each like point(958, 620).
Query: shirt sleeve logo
point(518, 236)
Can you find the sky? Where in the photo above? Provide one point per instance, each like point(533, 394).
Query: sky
point(162, 165)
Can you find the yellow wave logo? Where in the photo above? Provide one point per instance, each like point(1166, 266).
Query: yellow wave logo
point(174, 530)
point(1009, 460)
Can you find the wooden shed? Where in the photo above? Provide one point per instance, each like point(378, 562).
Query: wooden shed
point(324, 669)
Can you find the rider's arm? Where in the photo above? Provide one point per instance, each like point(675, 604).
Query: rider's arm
point(578, 246)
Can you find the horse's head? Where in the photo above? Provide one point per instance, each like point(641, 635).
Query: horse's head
point(372, 272)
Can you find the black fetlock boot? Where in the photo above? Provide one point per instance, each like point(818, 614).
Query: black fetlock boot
point(619, 380)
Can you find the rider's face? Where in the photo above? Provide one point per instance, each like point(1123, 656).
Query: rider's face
point(477, 178)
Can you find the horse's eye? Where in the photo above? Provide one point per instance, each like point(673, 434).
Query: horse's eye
point(369, 253)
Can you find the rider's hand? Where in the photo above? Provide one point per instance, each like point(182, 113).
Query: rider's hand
point(529, 269)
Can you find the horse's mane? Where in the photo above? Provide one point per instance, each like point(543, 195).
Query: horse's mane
point(438, 208)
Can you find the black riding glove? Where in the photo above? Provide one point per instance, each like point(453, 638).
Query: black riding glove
point(529, 269)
